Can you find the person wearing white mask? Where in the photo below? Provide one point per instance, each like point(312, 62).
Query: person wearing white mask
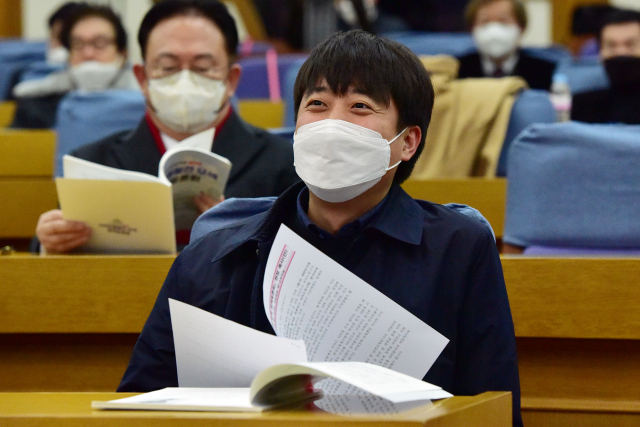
point(188, 77)
point(497, 27)
point(96, 43)
point(363, 109)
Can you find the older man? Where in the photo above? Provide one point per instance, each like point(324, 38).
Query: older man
point(619, 41)
point(188, 78)
point(363, 108)
point(497, 27)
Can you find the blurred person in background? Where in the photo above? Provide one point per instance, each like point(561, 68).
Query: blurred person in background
point(497, 27)
point(188, 77)
point(56, 52)
point(619, 42)
point(97, 45)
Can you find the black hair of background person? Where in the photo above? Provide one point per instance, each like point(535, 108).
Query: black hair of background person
point(427, 15)
point(617, 16)
point(396, 76)
point(209, 9)
point(104, 12)
point(588, 19)
point(65, 12)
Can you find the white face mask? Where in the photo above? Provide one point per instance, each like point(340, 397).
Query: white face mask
point(94, 75)
point(186, 101)
point(57, 55)
point(339, 160)
point(496, 40)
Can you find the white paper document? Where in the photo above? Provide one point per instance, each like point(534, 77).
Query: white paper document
point(310, 297)
point(215, 352)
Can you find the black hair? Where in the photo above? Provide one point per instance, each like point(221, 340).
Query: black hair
point(380, 68)
point(209, 9)
point(90, 11)
point(618, 16)
point(64, 12)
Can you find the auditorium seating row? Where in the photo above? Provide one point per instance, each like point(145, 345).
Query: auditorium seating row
point(67, 325)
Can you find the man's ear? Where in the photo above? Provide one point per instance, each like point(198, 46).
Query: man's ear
point(234, 78)
point(411, 141)
point(141, 76)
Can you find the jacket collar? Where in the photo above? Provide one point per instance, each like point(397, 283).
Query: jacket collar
point(401, 218)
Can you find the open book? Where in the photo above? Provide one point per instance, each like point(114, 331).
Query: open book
point(286, 385)
point(134, 212)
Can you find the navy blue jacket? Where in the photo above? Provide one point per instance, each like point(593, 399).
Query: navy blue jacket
point(439, 264)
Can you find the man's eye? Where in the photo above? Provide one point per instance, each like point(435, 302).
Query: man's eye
point(360, 105)
point(314, 102)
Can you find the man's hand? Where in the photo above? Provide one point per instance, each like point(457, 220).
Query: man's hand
point(205, 202)
point(58, 235)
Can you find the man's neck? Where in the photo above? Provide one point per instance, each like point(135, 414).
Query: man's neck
point(331, 217)
point(179, 136)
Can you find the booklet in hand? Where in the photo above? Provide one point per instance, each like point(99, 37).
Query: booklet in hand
point(134, 212)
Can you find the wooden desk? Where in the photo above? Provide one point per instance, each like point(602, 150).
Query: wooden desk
point(486, 195)
point(73, 409)
point(27, 188)
point(577, 323)
point(68, 323)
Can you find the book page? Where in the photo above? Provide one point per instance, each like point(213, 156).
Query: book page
point(391, 385)
point(192, 171)
point(186, 399)
point(340, 317)
point(125, 217)
point(215, 352)
point(74, 167)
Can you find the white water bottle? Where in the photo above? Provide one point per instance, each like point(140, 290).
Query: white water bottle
point(561, 97)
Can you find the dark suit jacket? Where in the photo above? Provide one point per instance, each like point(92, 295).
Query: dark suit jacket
point(607, 106)
point(537, 72)
point(262, 164)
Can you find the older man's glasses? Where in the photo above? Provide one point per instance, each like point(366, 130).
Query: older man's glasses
point(97, 43)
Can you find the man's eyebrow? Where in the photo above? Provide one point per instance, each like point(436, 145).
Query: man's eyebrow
point(167, 55)
point(317, 89)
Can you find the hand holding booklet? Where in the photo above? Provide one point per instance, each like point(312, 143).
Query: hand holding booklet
point(134, 212)
point(328, 324)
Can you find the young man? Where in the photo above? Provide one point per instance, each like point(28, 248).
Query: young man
point(363, 109)
point(188, 78)
point(619, 40)
point(497, 27)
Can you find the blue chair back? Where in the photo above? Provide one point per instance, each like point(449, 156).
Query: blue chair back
point(38, 70)
point(85, 117)
point(584, 74)
point(15, 55)
point(421, 43)
point(531, 106)
point(553, 53)
point(254, 83)
point(574, 185)
point(287, 92)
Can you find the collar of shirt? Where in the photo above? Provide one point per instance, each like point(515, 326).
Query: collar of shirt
point(164, 142)
point(347, 230)
point(508, 65)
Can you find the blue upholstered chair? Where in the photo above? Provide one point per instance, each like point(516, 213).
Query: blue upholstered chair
point(531, 106)
point(287, 92)
point(574, 185)
point(254, 83)
point(584, 75)
point(15, 55)
point(38, 70)
point(85, 117)
point(454, 44)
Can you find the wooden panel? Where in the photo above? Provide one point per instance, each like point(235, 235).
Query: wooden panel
point(64, 362)
point(563, 14)
point(23, 200)
point(73, 409)
point(574, 297)
point(10, 18)
point(79, 294)
point(26, 152)
point(486, 195)
point(7, 111)
point(262, 112)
